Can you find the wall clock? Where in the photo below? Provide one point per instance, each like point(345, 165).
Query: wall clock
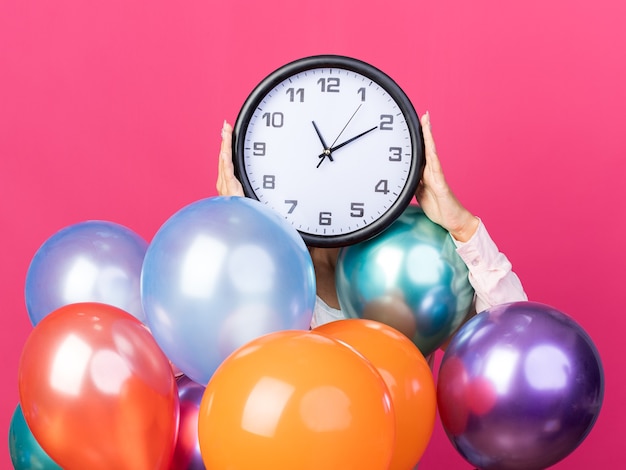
point(332, 144)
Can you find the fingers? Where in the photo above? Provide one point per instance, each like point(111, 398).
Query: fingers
point(227, 184)
point(432, 160)
point(220, 185)
point(227, 141)
point(427, 130)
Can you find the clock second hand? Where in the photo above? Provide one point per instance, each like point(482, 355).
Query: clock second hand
point(327, 152)
point(344, 127)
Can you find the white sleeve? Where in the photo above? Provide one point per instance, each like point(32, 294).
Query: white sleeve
point(490, 272)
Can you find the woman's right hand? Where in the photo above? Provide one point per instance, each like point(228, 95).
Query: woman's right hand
point(227, 183)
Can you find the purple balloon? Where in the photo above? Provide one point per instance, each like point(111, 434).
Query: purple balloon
point(187, 452)
point(93, 261)
point(520, 387)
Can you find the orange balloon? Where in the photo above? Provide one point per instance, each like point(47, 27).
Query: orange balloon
point(408, 378)
point(97, 392)
point(296, 400)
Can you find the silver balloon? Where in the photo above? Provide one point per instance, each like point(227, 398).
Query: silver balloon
point(219, 273)
point(92, 261)
point(409, 277)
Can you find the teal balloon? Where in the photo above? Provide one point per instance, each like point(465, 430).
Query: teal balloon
point(409, 277)
point(26, 453)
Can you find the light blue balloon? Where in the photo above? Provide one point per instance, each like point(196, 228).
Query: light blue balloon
point(92, 261)
point(409, 277)
point(26, 453)
point(219, 273)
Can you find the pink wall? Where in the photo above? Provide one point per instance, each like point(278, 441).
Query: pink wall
point(112, 110)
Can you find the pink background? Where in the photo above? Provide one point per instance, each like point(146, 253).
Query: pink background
point(112, 110)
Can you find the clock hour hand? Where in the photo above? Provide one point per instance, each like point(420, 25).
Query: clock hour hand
point(326, 147)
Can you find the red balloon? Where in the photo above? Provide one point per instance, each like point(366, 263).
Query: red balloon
point(296, 400)
point(408, 378)
point(97, 392)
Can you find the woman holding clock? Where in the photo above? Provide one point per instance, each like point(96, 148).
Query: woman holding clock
point(490, 272)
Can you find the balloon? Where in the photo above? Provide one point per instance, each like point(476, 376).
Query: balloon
point(520, 386)
point(26, 453)
point(409, 277)
point(219, 273)
point(407, 376)
point(187, 453)
point(93, 261)
point(96, 390)
point(295, 399)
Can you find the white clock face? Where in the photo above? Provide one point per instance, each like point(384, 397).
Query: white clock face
point(328, 149)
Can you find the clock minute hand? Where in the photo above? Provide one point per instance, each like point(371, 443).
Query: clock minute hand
point(352, 139)
point(327, 152)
